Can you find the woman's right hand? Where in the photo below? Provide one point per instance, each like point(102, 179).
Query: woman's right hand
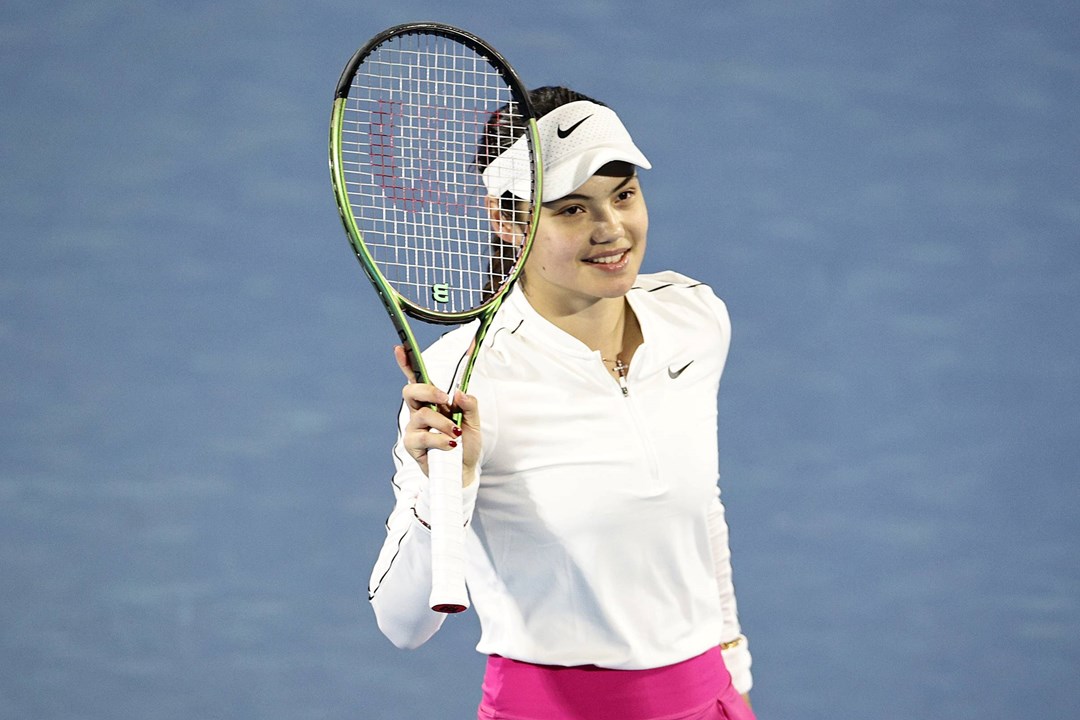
point(421, 399)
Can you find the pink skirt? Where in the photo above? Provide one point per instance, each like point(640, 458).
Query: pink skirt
point(695, 689)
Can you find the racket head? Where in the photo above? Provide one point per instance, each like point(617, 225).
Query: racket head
point(411, 118)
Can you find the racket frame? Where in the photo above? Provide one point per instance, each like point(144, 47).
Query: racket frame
point(400, 308)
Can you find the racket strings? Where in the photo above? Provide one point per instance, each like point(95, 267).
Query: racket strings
point(413, 123)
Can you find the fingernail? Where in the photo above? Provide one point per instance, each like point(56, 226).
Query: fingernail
point(457, 431)
point(453, 443)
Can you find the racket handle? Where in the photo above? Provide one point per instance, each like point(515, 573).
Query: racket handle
point(448, 592)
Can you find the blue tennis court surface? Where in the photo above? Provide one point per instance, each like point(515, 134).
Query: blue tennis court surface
point(198, 393)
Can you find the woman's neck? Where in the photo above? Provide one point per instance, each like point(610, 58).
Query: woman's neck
point(606, 325)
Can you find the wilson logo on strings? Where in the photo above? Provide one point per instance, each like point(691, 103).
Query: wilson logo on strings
point(440, 293)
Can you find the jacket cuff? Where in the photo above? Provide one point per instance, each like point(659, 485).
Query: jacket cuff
point(737, 660)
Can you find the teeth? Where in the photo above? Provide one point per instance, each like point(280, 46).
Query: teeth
point(609, 260)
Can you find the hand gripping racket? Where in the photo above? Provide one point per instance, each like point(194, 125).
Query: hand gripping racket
point(411, 130)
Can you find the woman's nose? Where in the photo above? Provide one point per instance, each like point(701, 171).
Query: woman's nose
point(607, 228)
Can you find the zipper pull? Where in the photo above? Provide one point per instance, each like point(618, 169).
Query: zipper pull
point(620, 370)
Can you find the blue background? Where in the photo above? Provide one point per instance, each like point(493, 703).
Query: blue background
point(197, 388)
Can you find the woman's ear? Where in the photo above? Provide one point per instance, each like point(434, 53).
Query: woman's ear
point(503, 224)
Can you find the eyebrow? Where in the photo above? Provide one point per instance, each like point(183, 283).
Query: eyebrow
point(579, 196)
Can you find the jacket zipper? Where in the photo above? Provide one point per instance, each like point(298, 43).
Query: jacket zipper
point(644, 439)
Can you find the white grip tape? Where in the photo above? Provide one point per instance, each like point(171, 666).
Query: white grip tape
point(447, 522)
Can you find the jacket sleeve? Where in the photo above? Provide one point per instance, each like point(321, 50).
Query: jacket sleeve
point(401, 579)
point(735, 646)
point(736, 650)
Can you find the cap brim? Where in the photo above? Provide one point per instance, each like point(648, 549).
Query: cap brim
point(575, 171)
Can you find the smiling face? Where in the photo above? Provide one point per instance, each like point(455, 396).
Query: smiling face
point(589, 244)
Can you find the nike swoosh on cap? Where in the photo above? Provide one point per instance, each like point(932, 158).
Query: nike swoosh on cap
point(563, 134)
point(676, 373)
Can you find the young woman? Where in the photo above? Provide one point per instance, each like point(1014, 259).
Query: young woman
point(598, 558)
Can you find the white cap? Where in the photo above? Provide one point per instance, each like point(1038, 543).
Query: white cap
point(576, 140)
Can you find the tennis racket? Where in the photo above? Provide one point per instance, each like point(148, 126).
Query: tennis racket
point(411, 130)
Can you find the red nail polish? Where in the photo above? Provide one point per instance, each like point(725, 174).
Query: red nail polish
point(453, 443)
point(457, 431)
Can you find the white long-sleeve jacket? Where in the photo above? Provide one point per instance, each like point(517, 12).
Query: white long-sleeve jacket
point(596, 531)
